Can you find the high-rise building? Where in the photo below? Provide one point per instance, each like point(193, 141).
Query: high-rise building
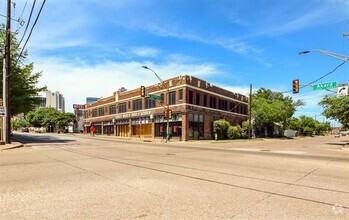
point(91, 99)
point(55, 100)
point(42, 102)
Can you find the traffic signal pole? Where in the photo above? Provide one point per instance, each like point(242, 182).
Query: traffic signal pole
point(167, 108)
point(167, 113)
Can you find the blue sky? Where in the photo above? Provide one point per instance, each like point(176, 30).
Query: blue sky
point(93, 47)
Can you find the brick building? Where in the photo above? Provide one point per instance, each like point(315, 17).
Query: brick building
point(195, 104)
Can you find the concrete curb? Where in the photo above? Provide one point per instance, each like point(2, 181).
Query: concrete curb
point(14, 144)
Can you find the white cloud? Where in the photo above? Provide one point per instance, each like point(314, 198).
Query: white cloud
point(145, 51)
point(77, 80)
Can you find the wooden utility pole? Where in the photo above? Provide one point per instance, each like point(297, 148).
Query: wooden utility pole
point(8, 73)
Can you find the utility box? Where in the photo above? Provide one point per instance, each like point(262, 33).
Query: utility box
point(290, 133)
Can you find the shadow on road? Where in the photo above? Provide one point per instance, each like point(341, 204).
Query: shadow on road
point(40, 139)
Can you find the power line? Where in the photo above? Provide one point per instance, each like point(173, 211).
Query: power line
point(26, 28)
point(20, 21)
point(31, 30)
point(319, 77)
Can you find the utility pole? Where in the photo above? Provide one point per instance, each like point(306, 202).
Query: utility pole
point(250, 114)
point(4, 118)
point(8, 73)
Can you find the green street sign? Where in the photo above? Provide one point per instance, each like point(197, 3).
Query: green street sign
point(324, 86)
point(154, 97)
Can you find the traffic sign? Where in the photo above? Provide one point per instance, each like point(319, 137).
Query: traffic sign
point(324, 86)
point(154, 97)
point(2, 110)
point(342, 90)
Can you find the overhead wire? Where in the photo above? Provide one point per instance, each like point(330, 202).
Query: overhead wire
point(26, 28)
point(31, 31)
point(20, 20)
point(332, 71)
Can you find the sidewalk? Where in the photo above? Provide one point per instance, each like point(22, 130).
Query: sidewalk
point(13, 145)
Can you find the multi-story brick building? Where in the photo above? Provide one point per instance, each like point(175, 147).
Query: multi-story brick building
point(195, 104)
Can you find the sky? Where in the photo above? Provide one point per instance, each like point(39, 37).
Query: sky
point(91, 48)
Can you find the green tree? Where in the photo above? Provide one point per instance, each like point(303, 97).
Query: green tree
point(336, 108)
point(308, 125)
point(17, 124)
point(23, 85)
point(269, 108)
point(63, 119)
point(322, 128)
point(295, 124)
point(220, 127)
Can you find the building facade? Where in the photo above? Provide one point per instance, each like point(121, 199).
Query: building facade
point(55, 100)
point(194, 104)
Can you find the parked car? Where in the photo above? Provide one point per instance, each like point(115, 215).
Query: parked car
point(25, 129)
point(337, 135)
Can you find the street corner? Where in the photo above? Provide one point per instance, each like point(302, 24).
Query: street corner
point(13, 145)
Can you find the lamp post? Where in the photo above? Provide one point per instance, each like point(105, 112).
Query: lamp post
point(167, 108)
point(328, 53)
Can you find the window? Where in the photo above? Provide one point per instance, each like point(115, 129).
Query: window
point(198, 98)
point(180, 94)
point(94, 112)
point(205, 100)
point(122, 107)
point(223, 104)
point(212, 102)
point(112, 109)
point(162, 97)
point(172, 97)
point(137, 105)
point(101, 111)
point(232, 107)
point(191, 96)
point(149, 103)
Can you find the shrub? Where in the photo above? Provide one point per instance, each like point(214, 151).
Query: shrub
point(236, 132)
point(221, 127)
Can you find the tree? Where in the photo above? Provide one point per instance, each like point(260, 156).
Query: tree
point(16, 124)
point(63, 119)
point(49, 118)
point(220, 127)
point(322, 128)
point(23, 86)
point(308, 125)
point(269, 108)
point(336, 108)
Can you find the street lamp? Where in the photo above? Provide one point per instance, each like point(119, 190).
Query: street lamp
point(328, 53)
point(167, 108)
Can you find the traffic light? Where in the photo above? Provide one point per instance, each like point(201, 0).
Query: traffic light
point(166, 114)
point(295, 86)
point(169, 114)
point(142, 91)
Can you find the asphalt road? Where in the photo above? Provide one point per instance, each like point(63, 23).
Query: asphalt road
point(83, 177)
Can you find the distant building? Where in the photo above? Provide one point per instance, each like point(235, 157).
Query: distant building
point(78, 111)
point(42, 103)
point(55, 100)
point(91, 99)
